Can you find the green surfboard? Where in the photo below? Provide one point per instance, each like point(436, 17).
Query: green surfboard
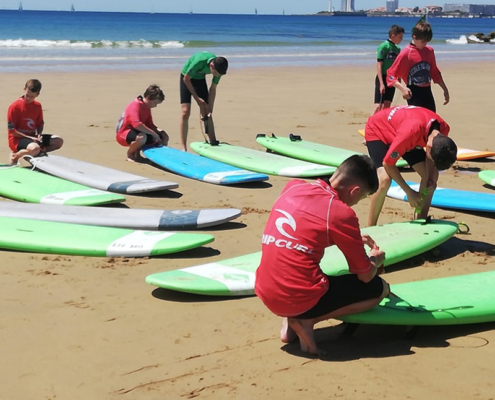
point(295, 147)
point(23, 184)
point(488, 177)
point(259, 161)
point(454, 300)
point(235, 276)
point(85, 240)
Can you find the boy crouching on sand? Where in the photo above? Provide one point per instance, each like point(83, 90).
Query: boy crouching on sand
point(305, 219)
point(25, 126)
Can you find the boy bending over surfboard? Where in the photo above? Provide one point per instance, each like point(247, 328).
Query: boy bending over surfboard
point(305, 219)
point(136, 128)
point(193, 84)
point(419, 136)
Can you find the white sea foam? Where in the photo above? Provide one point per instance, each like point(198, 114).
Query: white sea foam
point(462, 40)
point(13, 43)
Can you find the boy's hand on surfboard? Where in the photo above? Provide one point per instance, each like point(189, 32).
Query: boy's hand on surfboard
point(368, 241)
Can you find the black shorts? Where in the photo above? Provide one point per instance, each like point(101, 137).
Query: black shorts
point(199, 86)
point(422, 96)
point(344, 290)
point(377, 151)
point(389, 91)
point(132, 136)
point(25, 142)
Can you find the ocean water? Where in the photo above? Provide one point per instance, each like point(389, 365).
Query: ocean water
point(82, 41)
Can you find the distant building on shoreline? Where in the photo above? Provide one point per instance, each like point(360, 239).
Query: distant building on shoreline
point(392, 5)
point(473, 9)
point(347, 6)
point(392, 9)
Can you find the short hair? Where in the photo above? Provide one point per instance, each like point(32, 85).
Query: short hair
point(154, 93)
point(395, 30)
point(34, 85)
point(422, 31)
point(359, 169)
point(443, 152)
point(221, 65)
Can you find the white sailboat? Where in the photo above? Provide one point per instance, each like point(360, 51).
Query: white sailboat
point(20, 6)
point(72, 9)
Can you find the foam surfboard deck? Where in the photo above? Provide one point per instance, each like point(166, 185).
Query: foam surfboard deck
point(462, 153)
point(469, 154)
point(455, 300)
point(22, 184)
point(129, 218)
point(488, 177)
point(451, 198)
point(200, 168)
point(97, 176)
point(236, 276)
point(260, 161)
point(310, 151)
point(72, 239)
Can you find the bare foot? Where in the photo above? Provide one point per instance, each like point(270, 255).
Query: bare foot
point(304, 330)
point(287, 334)
point(136, 159)
point(13, 158)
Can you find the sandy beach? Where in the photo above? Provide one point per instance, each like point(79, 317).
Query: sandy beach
point(91, 328)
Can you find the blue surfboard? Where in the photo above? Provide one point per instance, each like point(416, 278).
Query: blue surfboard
point(451, 198)
point(200, 168)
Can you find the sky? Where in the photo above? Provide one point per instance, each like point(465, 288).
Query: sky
point(213, 6)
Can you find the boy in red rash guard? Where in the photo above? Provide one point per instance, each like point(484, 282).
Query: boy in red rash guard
point(136, 128)
point(403, 132)
point(25, 125)
point(305, 219)
point(416, 66)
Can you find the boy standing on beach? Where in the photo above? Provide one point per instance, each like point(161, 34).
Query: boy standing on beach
point(417, 66)
point(403, 132)
point(193, 84)
point(25, 125)
point(136, 127)
point(305, 219)
point(386, 54)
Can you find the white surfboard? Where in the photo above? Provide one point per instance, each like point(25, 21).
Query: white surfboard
point(97, 176)
point(121, 217)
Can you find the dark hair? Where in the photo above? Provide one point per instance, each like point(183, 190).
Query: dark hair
point(395, 30)
point(154, 93)
point(423, 31)
point(360, 169)
point(221, 65)
point(443, 152)
point(34, 85)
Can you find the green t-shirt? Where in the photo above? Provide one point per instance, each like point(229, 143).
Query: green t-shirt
point(198, 66)
point(387, 52)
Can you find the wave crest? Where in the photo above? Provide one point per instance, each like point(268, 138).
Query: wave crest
point(12, 43)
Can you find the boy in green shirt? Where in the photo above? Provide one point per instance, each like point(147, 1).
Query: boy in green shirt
point(386, 54)
point(193, 84)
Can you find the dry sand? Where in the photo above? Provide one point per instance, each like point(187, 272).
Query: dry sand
point(91, 328)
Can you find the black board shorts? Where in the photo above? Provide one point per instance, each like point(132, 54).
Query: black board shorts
point(199, 86)
point(389, 91)
point(25, 142)
point(422, 96)
point(377, 151)
point(343, 291)
point(132, 136)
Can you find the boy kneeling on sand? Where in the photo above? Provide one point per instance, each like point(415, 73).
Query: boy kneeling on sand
point(307, 218)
